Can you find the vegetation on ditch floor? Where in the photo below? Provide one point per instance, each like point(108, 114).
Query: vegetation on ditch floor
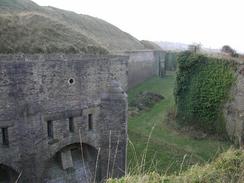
point(166, 148)
point(145, 100)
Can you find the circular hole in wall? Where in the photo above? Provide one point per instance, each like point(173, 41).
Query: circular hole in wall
point(71, 81)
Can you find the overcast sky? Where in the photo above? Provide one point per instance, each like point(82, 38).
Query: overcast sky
point(212, 23)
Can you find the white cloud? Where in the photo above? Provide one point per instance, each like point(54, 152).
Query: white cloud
point(211, 22)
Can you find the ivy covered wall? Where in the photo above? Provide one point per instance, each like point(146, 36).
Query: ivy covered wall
point(202, 88)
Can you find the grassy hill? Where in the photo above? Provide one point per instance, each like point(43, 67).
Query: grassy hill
point(21, 33)
point(150, 45)
point(8, 5)
point(29, 28)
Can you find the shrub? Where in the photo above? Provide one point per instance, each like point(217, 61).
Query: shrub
point(230, 51)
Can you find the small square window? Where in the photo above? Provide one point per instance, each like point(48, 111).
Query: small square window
point(50, 129)
point(5, 140)
point(71, 124)
point(90, 122)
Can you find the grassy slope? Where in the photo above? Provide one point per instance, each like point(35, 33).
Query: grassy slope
point(227, 168)
point(150, 45)
point(29, 33)
point(104, 33)
point(166, 147)
point(19, 4)
point(28, 28)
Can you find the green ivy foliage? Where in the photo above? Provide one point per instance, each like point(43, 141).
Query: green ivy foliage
point(202, 87)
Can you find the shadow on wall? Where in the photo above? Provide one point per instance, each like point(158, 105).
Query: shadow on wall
point(7, 174)
point(73, 164)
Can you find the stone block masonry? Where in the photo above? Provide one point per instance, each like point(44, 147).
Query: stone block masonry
point(63, 118)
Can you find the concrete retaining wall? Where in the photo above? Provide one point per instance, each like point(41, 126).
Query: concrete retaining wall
point(234, 109)
point(143, 65)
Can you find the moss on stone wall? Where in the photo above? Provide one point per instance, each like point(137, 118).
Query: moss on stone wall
point(202, 87)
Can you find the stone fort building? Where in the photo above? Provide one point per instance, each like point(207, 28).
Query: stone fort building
point(63, 118)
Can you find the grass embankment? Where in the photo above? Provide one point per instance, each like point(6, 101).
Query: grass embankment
point(168, 151)
point(26, 27)
point(227, 168)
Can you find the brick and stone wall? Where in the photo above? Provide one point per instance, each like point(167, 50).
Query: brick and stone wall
point(51, 104)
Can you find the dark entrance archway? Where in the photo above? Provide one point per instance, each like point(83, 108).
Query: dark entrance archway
point(73, 164)
point(7, 174)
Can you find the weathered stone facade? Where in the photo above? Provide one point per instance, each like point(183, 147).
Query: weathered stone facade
point(50, 105)
point(144, 64)
point(234, 109)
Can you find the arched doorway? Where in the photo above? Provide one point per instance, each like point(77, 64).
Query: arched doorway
point(73, 164)
point(7, 174)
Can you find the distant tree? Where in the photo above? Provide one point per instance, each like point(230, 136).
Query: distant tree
point(230, 51)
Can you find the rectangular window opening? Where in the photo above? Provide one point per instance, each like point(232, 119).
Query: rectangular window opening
point(90, 121)
point(71, 124)
point(50, 129)
point(5, 140)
